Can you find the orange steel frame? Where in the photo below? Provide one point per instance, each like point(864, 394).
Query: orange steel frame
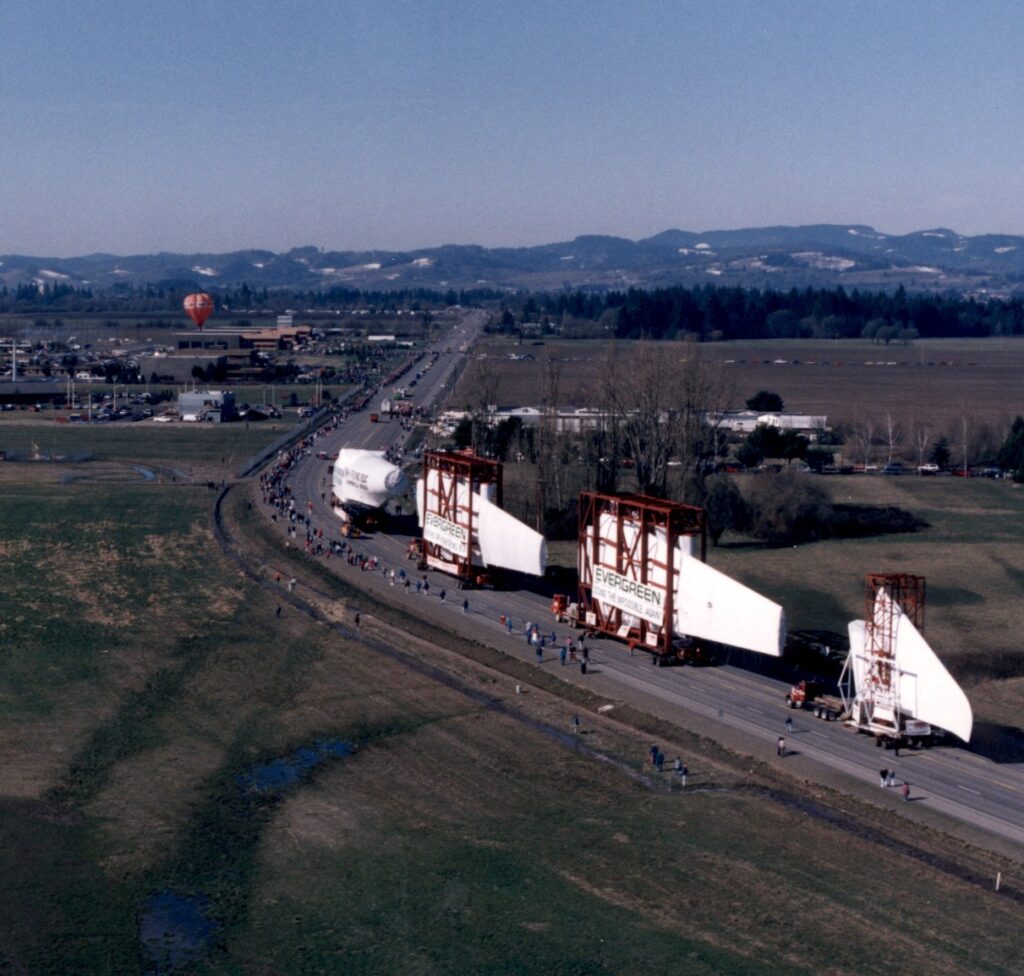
point(455, 468)
point(632, 559)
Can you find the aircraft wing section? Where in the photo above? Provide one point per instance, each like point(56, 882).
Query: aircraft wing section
point(927, 690)
point(858, 640)
point(710, 604)
point(506, 542)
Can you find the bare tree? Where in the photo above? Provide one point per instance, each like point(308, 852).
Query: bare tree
point(862, 439)
point(485, 388)
point(665, 398)
point(922, 438)
point(964, 442)
point(893, 436)
point(550, 445)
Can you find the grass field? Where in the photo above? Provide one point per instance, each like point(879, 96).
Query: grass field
point(202, 450)
point(146, 686)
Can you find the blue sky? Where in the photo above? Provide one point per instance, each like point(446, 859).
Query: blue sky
point(209, 126)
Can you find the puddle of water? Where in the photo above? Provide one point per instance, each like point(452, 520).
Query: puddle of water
point(279, 774)
point(176, 930)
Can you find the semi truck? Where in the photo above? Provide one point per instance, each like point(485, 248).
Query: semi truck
point(811, 695)
point(907, 732)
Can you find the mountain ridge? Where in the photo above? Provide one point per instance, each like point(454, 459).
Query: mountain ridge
point(780, 257)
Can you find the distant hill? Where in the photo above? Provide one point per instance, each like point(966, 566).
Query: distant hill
point(821, 255)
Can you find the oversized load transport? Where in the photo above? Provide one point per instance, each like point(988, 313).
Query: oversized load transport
point(643, 579)
point(364, 480)
point(894, 684)
point(465, 529)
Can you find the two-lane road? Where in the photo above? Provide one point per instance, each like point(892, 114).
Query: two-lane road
point(743, 707)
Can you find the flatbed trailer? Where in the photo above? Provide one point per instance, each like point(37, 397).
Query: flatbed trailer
point(811, 695)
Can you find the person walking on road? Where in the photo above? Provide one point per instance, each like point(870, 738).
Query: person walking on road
point(789, 725)
point(686, 772)
point(883, 777)
point(357, 618)
point(562, 656)
point(781, 746)
point(465, 606)
point(575, 725)
point(444, 596)
point(906, 790)
point(508, 625)
point(892, 778)
point(540, 655)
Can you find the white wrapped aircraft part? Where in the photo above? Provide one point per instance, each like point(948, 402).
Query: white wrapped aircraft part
point(506, 542)
point(858, 659)
point(366, 479)
point(714, 606)
point(927, 691)
point(500, 539)
point(707, 603)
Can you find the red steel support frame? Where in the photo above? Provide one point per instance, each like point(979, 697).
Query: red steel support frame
point(455, 469)
point(631, 559)
point(905, 592)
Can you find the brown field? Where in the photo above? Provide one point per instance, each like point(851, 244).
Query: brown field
point(935, 383)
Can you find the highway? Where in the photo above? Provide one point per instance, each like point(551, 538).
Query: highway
point(744, 710)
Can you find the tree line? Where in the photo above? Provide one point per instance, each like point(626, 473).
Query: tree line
point(166, 297)
point(711, 313)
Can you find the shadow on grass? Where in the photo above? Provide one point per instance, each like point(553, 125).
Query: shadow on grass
point(1000, 743)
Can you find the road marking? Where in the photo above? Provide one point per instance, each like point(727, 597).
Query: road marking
point(820, 735)
point(969, 790)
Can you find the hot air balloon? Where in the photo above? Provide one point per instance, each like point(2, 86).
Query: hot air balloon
point(199, 307)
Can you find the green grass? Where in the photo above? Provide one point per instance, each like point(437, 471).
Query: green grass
point(142, 442)
point(85, 580)
point(971, 555)
point(455, 840)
